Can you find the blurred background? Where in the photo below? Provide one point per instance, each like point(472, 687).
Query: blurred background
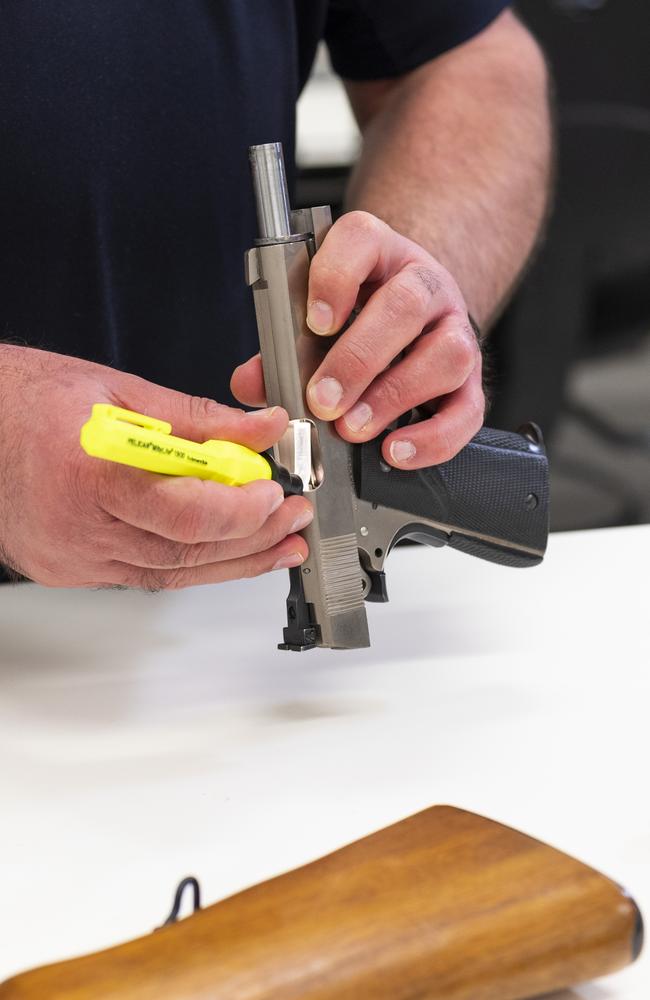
point(572, 351)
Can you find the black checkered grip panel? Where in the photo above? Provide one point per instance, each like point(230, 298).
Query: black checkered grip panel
point(496, 487)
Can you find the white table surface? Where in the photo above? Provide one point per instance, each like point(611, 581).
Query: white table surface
point(143, 737)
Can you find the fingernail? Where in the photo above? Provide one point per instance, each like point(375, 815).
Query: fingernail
point(326, 393)
point(277, 504)
point(320, 317)
point(266, 412)
point(402, 451)
point(288, 562)
point(358, 417)
point(276, 496)
point(303, 520)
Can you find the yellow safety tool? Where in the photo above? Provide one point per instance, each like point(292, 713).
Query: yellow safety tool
point(129, 438)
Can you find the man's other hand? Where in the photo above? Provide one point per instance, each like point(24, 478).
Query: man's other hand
point(69, 520)
point(410, 345)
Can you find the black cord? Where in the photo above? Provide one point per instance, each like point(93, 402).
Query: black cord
point(188, 882)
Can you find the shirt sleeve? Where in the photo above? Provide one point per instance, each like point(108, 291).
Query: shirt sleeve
point(375, 39)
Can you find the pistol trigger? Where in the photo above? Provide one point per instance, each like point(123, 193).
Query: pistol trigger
point(366, 582)
point(378, 591)
point(373, 583)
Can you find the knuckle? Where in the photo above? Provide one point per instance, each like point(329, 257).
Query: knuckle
point(462, 353)
point(391, 393)
point(201, 408)
point(174, 579)
point(198, 555)
point(190, 522)
point(407, 295)
point(232, 524)
point(251, 566)
point(249, 518)
point(328, 273)
point(362, 223)
point(279, 526)
point(358, 358)
point(427, 277)
point(442, 449)
point(174, 554)
point(269, 535)
point(152, 581)
point(259, 526)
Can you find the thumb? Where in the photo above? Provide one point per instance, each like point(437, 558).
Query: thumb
point(201, 419)
point(247, 383)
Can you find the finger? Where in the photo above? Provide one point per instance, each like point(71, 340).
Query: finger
point(417, 296)
point(458, 418)
point(247, 383)
point(201, 419)
point(185, 509)
point(291, 551)
point(440, 362)
point(127, 544)
point(358, 248)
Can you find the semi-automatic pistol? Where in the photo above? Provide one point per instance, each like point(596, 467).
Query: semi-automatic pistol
point(490, 501)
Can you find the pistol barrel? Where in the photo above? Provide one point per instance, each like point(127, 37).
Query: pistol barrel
point(271, 191)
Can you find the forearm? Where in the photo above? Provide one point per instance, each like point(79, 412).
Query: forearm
point(457, 157)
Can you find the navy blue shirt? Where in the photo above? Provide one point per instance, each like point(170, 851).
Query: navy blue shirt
point(125, 199)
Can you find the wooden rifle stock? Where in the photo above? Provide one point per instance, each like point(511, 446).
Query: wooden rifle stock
point(445, 905)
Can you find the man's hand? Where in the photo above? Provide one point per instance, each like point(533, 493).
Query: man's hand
point(68, 520)
point(411, 344)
